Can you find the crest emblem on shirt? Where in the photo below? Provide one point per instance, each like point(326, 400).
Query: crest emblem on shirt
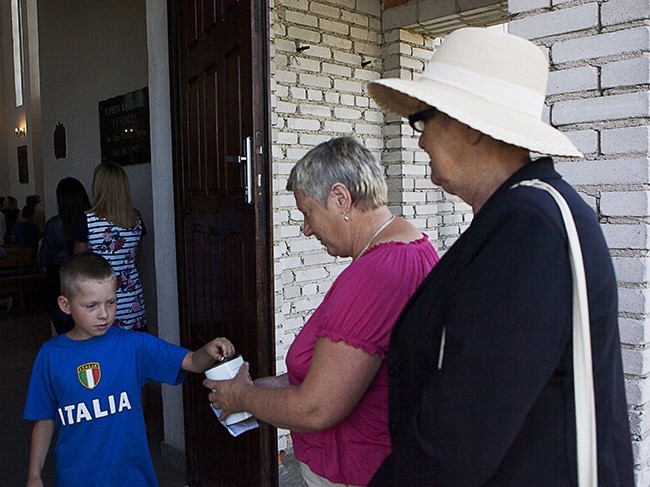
point(89, 374)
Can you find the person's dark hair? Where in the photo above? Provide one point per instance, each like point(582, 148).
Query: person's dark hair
point(341, 160)
point(32, 200)
point(85, 266)
point(72, 200)
point(10, 203)
point(28, 212)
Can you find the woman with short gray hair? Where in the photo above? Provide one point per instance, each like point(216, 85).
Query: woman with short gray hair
point(333, 397)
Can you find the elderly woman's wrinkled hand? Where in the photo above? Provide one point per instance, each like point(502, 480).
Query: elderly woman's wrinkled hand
point(226, 395)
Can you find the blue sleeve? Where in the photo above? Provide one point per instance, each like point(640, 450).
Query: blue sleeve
point(41, 400)
point(160, 361)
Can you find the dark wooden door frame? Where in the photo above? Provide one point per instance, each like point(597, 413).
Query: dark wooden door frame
point(262, 202)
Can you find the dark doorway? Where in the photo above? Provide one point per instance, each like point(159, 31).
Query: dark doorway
point(220, 124)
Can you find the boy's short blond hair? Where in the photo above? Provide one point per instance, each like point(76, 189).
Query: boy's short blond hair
point(83, 267)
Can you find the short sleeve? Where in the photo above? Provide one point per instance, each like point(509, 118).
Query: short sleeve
point(41, 400)
point(364, 303)
point(160, 361)
point(142, 225)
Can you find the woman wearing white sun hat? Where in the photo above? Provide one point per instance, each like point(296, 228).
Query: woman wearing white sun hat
point(481, 388)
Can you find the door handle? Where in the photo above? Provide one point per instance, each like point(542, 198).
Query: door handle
point(248, 168)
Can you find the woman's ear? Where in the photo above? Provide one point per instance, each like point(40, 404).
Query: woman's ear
point(64, 304)
point(341, 196)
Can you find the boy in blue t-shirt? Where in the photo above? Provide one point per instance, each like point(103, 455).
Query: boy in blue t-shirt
point(87, 383)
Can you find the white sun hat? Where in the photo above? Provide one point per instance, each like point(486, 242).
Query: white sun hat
point(492, 81)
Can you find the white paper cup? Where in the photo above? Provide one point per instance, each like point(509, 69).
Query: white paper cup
point(224, 371)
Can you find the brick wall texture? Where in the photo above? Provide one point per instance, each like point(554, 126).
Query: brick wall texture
point(323, 52)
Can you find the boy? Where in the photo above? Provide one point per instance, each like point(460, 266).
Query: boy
point(87, 384)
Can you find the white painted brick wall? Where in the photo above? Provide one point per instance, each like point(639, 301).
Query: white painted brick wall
point(585, 140)
point(625, 140)
point(632, 270)
point(622, 171)
point(610, 44)
point(518, 6)
point(556, 22)
point(625, 203)
point(626, 236)
point(602, 108)
point(575, 79)
point(629, 72)
point(613, 12)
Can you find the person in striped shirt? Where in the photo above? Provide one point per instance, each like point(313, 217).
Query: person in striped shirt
point(114, 229)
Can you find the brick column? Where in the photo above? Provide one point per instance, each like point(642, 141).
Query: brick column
point(410, 192)
point(598, 95)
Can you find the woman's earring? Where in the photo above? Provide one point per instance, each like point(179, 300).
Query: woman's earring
point(345, 217)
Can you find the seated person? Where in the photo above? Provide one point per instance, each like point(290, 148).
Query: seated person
point(25, 231)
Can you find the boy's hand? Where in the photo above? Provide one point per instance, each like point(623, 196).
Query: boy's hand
point(220, 349)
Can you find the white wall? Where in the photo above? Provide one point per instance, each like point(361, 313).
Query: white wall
point(112, 47)
point(12, 116)
point(163, 207)
point(5, 73)
point(91, 51)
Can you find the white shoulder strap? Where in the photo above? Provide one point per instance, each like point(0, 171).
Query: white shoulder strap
point(582, 367)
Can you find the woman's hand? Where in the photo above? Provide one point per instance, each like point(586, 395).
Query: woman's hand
point(338, 377)
point(227, 395)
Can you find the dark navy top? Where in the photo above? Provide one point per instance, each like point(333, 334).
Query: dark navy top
point(495, 404)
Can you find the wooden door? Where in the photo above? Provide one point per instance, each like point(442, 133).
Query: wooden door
point(221, 167)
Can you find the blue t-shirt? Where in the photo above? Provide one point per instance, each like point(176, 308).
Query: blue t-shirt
point(92, 390)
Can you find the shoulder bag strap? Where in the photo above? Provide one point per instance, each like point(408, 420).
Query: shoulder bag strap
point(583, 380)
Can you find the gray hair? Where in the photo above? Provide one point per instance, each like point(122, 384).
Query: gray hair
point(342, 160)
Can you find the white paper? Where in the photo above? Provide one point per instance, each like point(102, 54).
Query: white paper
point(227, 370)
point(237, 429)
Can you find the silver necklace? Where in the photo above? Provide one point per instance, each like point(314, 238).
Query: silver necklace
point(385, 224)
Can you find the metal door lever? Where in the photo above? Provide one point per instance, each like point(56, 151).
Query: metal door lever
point(248, 168)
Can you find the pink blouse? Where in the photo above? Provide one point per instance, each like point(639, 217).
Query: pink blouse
point(360, 308)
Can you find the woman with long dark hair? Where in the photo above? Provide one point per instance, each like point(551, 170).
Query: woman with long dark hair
point(56, 247)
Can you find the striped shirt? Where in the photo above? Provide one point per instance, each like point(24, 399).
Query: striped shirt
point(119, 247)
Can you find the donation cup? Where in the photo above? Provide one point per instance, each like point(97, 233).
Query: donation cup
point(227, 370)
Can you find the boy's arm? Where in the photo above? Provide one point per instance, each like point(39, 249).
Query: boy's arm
point(201, 360)
point(41, 438)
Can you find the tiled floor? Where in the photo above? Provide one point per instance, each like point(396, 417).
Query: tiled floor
point(22, 332)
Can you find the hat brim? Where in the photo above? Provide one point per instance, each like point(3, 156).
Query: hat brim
point(403, 97)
